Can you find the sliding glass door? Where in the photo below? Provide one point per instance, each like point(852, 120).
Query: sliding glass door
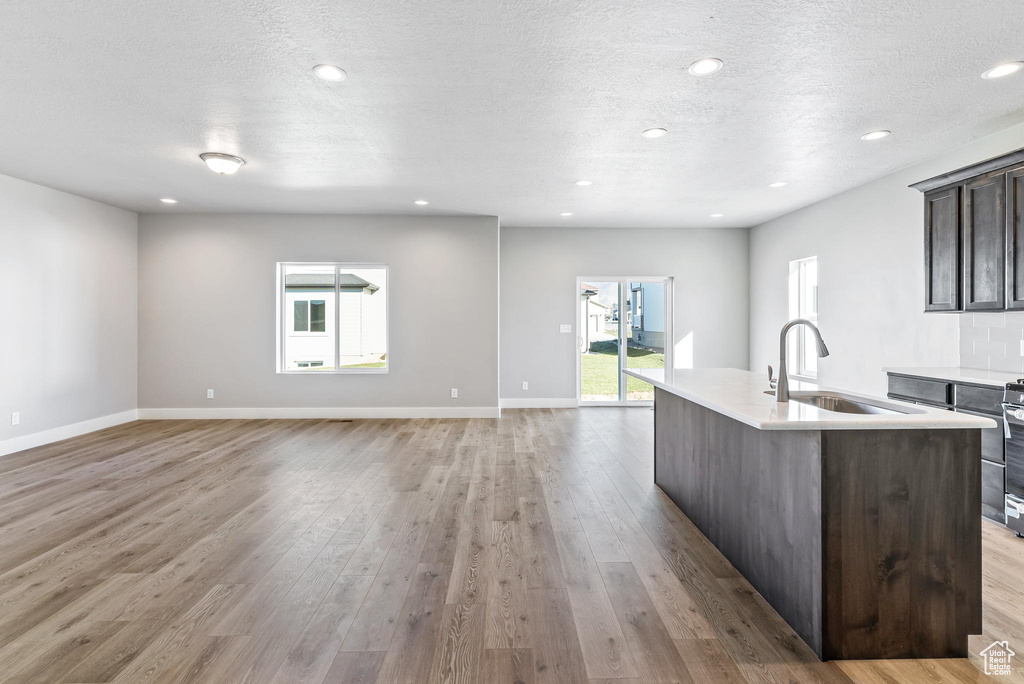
point(622, 323)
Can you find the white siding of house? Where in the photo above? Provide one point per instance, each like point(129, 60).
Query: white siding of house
point(374, 314)
point(351, 327)
point(654, 307)
point(307, 346)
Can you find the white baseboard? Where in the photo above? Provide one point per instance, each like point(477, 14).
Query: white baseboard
point(327, 412)
point(14, 444)
point(514, 403)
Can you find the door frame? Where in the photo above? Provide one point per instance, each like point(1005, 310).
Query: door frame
point(622, 282)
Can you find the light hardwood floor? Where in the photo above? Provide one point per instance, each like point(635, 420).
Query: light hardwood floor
point(530, 549)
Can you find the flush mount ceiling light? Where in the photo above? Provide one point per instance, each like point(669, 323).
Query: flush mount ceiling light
point(875, 135)
point(422, 203)
point(168, 200)
point(777, 184)
point(584, 183)
point(224, 164)
point(654, 132)
point(1003, 70)
point(703, 67)
point(717, 215)
point(566, 213)
point(329, 72)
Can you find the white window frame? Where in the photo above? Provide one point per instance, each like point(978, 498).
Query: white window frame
point(284, 324)
point(798, 341)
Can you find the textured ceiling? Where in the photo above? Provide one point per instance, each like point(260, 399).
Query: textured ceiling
point(495, 106)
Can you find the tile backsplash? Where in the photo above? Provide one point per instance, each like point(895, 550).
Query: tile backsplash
point(992, 341)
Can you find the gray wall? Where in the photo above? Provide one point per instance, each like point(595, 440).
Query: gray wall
point(207, 309)
point(68, 343)
point(870, 275)
point(539, 267)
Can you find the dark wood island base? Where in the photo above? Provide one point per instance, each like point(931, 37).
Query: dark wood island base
point(867, 542)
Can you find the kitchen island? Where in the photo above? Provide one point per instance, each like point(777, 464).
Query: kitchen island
point(862, 530)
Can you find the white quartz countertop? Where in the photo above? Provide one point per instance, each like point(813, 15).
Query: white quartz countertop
point(976, 376)
point(739, 394)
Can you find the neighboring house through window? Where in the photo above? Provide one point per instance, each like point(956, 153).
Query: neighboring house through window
point(803, 303)
point(333, 318)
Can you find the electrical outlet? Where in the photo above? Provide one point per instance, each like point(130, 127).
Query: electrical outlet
point(15, 418)
point(565, 328)
point(209, 394)
point(455, 393)
point(526, 385)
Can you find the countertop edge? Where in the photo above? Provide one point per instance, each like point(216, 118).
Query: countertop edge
point(962, 421)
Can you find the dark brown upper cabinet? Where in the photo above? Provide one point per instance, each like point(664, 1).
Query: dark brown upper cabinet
point(984, 237)
point(974, 236)
point(942, 249)
point(1015, 239)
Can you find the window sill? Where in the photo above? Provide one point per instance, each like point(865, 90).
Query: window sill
point(804, 378)
point(343, 371)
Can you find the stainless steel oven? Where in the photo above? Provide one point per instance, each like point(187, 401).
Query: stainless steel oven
point(1013, 412)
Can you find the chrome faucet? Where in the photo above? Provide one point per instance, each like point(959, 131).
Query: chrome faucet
point(782, 389)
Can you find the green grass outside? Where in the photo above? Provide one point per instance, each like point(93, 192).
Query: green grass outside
point(375, 364)
point(599, 370)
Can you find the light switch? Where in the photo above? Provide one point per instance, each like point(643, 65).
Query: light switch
point(565, 328)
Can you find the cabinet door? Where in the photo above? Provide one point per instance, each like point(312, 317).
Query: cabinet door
point(985, 243)
point(942, 249)
point(992, 443)
point(992, 492)
point(1015, 239)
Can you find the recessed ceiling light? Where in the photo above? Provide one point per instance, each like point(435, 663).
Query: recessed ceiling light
point(422, 203)
point(875, 135)
point(1003, 70)
point(777, 184)
point(566, 213)
point(654, 132)
point(717, 215)
point(703, 67)
point(583, 183)
point(224, 164)
point(168, 200)
point(329, 72)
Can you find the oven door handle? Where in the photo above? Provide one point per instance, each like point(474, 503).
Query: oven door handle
point(1006, 421)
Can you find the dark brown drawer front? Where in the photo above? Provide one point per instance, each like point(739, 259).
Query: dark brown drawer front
point(983, 399)
point(991, 438)
point(992, 442)
point(931, 391)
point(992, 491)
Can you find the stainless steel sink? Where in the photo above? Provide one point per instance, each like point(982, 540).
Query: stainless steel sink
point(833, 401)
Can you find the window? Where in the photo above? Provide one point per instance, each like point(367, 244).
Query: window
point(333, 318)
point(301, 316)
point(803, 303)
point(309, 316)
